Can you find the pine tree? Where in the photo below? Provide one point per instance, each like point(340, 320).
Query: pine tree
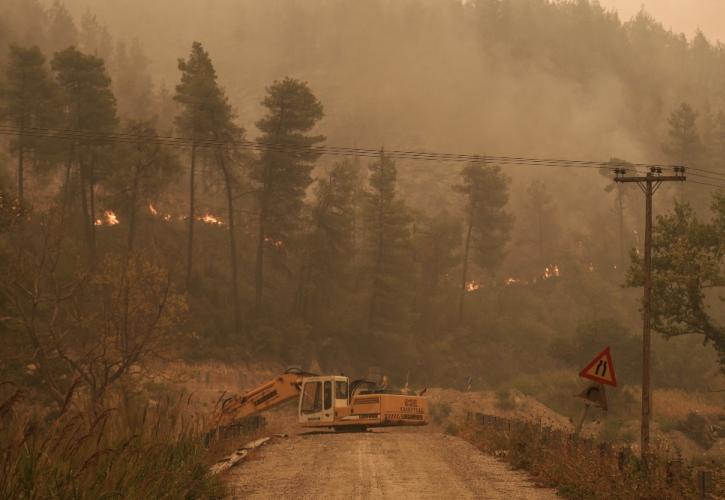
point(685, 145)
point(166, 107)
point(142, 171)
point(90, 110)
point(28, 98)
point(488, 226)
point(134, 86)
point(283, 173)
point(198, 94)
point(89, 35)
point(540, 208)
point(438, 245)
point(62, 31)
point(330, 244)
point(207, 115)
point(388, 226)
point(716, 144)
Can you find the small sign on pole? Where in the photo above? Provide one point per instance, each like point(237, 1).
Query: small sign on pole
point(601, 369)
point(594, 394)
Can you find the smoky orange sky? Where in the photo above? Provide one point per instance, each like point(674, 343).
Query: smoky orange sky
point(681, 15)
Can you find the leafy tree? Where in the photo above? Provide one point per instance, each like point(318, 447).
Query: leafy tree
point(90, 111)
point(206, 115)
point(488, 226)
point(28, 99)
point(283, 172)
point(688, 270)
point(388, 226)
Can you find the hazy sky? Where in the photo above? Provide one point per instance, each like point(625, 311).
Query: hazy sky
point(680, 15)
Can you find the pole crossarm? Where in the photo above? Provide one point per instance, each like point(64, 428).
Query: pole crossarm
point(651, 178)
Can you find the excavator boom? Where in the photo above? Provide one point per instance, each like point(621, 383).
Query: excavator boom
point(278, 390)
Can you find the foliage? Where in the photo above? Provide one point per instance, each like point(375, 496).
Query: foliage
point(687, 271)
point(88, 329)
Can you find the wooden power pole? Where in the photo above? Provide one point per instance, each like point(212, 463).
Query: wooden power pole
point(649, 184)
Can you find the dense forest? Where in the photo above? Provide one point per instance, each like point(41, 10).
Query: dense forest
point(165, 198)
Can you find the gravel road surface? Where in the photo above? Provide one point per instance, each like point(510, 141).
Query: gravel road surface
point(395, 463)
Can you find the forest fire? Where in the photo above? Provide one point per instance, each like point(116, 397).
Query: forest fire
point(109, 218)
point(472, 286)
point(273, 242)
point(552, 271)
point(208, 218)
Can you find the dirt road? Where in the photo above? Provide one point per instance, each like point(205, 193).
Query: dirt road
point(399, 464)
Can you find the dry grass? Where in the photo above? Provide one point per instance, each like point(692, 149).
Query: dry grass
point(129, 451)
point(583, 468)
point(676, 404)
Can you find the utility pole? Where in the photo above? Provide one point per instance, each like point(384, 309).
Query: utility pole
point(649, 184)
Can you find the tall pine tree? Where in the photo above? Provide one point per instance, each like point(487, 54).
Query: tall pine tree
point(488, 226)
point(90, 111)
point(283, 172)
point(28, 99)
point(325, 274)
point(206, 115)
point(388, 226)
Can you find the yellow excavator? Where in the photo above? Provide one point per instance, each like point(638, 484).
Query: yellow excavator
point(331, 401)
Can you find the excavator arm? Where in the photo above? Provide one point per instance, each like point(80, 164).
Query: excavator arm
point(272, 393)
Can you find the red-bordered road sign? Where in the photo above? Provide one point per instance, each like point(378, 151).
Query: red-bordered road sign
point(601, 369)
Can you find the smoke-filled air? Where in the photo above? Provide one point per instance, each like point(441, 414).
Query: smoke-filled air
point(501, 222)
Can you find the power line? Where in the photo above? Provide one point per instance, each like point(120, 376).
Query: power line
point(719, 186)
point(711, 172)
point(129, 138)
point(706, 176)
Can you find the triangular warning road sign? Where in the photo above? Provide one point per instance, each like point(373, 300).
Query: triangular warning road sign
point(601, 369)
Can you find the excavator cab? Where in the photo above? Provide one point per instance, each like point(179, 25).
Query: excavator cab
point(320, 397)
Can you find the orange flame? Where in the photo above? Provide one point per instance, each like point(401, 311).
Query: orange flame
point(552, 271)
point(109, 218)
point(472, 286)
point(273, 242)
point(208, 218)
